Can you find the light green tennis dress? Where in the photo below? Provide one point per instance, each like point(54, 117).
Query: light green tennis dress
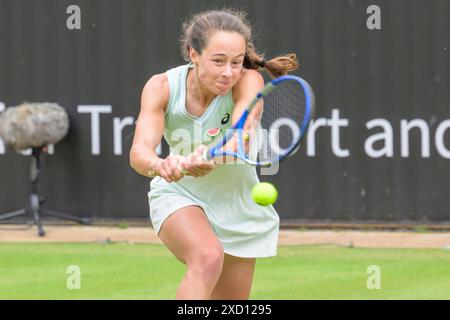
point(244, 228)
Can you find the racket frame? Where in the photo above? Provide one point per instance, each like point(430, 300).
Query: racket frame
point(239, 126)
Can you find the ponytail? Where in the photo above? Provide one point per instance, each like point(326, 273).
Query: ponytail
point(278, 66)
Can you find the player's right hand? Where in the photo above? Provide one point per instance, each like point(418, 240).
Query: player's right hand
point(169, 168)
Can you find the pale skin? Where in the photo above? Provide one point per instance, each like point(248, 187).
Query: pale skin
point(211, 274)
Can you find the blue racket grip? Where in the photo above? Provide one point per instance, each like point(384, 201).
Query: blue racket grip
point(208, 154)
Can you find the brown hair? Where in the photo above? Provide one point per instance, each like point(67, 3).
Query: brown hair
point(197, 30)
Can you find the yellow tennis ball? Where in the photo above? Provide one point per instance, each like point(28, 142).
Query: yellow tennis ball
point(264, 193)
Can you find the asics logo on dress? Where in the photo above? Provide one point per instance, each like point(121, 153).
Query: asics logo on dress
point(225, 119)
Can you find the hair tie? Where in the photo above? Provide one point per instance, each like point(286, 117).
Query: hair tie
point(262, 63)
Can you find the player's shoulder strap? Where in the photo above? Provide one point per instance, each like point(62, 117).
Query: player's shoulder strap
point(177, 84)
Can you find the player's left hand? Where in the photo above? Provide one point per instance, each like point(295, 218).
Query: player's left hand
point(194, 164)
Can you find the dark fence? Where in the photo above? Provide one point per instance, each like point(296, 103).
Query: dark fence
point(378, 150)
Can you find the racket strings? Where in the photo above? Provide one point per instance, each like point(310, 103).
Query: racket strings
point(279, 128)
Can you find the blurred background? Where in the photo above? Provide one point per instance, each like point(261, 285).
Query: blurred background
point(378, 151)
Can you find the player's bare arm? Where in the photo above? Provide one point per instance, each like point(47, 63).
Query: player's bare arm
point(245, 90)
point(149, 131)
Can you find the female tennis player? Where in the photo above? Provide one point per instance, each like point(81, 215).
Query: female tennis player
point(202, 210)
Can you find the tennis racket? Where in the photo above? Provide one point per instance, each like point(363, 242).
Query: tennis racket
point(288, 106)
